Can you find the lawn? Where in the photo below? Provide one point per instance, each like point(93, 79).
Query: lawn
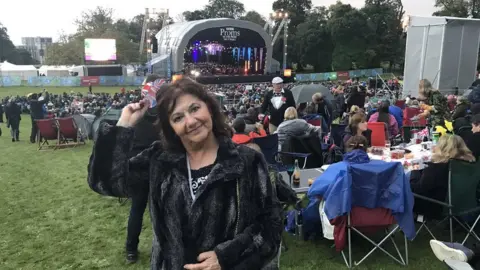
point(50, 219)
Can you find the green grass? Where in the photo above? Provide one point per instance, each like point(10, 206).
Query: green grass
point(50, 219)
point(24, 90)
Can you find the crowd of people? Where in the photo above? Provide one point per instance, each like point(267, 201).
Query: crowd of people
point(204, 157)
point(210, 68)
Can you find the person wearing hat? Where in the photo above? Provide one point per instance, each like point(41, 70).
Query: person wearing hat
point(276, 102)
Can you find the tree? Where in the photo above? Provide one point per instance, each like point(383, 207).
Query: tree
point(97, 20)
point(254, 17)
point(8, 51)
point(217, 9)
point(224, 9)
point(194, 15)
point(297, 11)
point(458, 8)
point(314, 41)
point(384, 20)
point(348, 27)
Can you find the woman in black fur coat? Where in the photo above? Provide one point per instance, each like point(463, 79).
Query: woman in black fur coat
point(211, 201)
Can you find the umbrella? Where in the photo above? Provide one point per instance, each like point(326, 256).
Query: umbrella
point(304, 93)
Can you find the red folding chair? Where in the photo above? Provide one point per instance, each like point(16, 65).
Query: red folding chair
point(47, 130)
point(315, 122)
point(400, 103)
point(409, 113)
point(379, 133)
point(69, 135)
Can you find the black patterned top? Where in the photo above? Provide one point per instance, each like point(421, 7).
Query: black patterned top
point(199, 177)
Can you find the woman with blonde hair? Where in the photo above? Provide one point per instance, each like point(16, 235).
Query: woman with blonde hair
point(436, 104)
point(433, 182)
point(294, 127)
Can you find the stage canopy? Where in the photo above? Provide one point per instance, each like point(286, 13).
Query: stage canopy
point(174, 39)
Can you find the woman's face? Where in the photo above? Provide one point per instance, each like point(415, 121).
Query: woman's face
point(362, 126)
point(475, 128)
point(191, 119)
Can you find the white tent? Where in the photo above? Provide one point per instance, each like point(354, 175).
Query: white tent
point(23, 71)
point(443, 50)
point(59, 71)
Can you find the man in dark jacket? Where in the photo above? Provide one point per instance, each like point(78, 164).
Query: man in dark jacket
point(36, 112)
point(276, 102)
point(13, 115)
point(145, 135)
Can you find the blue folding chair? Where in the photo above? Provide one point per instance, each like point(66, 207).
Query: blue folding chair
point(269, 147)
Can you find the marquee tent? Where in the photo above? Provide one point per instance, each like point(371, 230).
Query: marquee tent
point(23, 71)
point(59, 71)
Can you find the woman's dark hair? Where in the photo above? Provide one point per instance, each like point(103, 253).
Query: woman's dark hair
point(355, 120)
point(383, 115)
point(356, 142)
point(476, 119)
point(166, 102)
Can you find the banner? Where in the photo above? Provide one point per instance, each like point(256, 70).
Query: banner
point(86, 80)
point(341, 75)
point(53, 81)
point(11, 81)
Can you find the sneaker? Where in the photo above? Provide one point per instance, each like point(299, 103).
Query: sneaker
point(456, 265)
point(132, 256)
point(452, 251)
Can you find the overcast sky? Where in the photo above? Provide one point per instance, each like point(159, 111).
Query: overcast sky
point(51, 17)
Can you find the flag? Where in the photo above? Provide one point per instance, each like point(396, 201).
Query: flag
point(150, 90)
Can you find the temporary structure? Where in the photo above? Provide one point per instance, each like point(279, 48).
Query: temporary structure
point(23, 71)
point(58, 71)
point(443, 50)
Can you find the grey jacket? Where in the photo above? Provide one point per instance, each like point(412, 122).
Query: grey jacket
point(235, 213)
point(295, 128)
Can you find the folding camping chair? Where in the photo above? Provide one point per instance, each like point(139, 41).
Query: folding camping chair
point(379, 133)
point(69, 135)
point(461, 201)
point(269, 147)
point(364, 201)
point(47, 130)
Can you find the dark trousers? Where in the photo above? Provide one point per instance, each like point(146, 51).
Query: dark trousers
point(139, 204)
point(33, 135)
point(14, 130)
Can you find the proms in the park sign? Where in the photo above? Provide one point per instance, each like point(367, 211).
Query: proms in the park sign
point(236, 36)
point(229, 33)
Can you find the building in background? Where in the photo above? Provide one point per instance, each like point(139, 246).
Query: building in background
point(36, 46)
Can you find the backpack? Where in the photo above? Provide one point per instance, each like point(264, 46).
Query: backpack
point(333, 155)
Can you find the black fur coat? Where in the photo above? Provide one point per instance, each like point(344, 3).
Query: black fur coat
point(235, 213)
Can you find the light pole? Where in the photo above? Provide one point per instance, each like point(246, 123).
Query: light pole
point(283, 16)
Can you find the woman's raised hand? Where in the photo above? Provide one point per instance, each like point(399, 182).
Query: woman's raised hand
point(132, 113)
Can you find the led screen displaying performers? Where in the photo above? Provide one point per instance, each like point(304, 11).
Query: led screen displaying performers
point(225, 51)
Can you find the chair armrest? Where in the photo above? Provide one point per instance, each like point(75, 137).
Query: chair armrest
point(431, 200)
point(293, 154)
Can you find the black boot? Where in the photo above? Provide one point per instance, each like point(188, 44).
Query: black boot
point(132, 256)
point(13, 139)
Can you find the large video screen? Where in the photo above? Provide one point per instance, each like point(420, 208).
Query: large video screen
point(100, 50)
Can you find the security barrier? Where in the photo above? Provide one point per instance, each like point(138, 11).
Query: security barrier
point(9, 81)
